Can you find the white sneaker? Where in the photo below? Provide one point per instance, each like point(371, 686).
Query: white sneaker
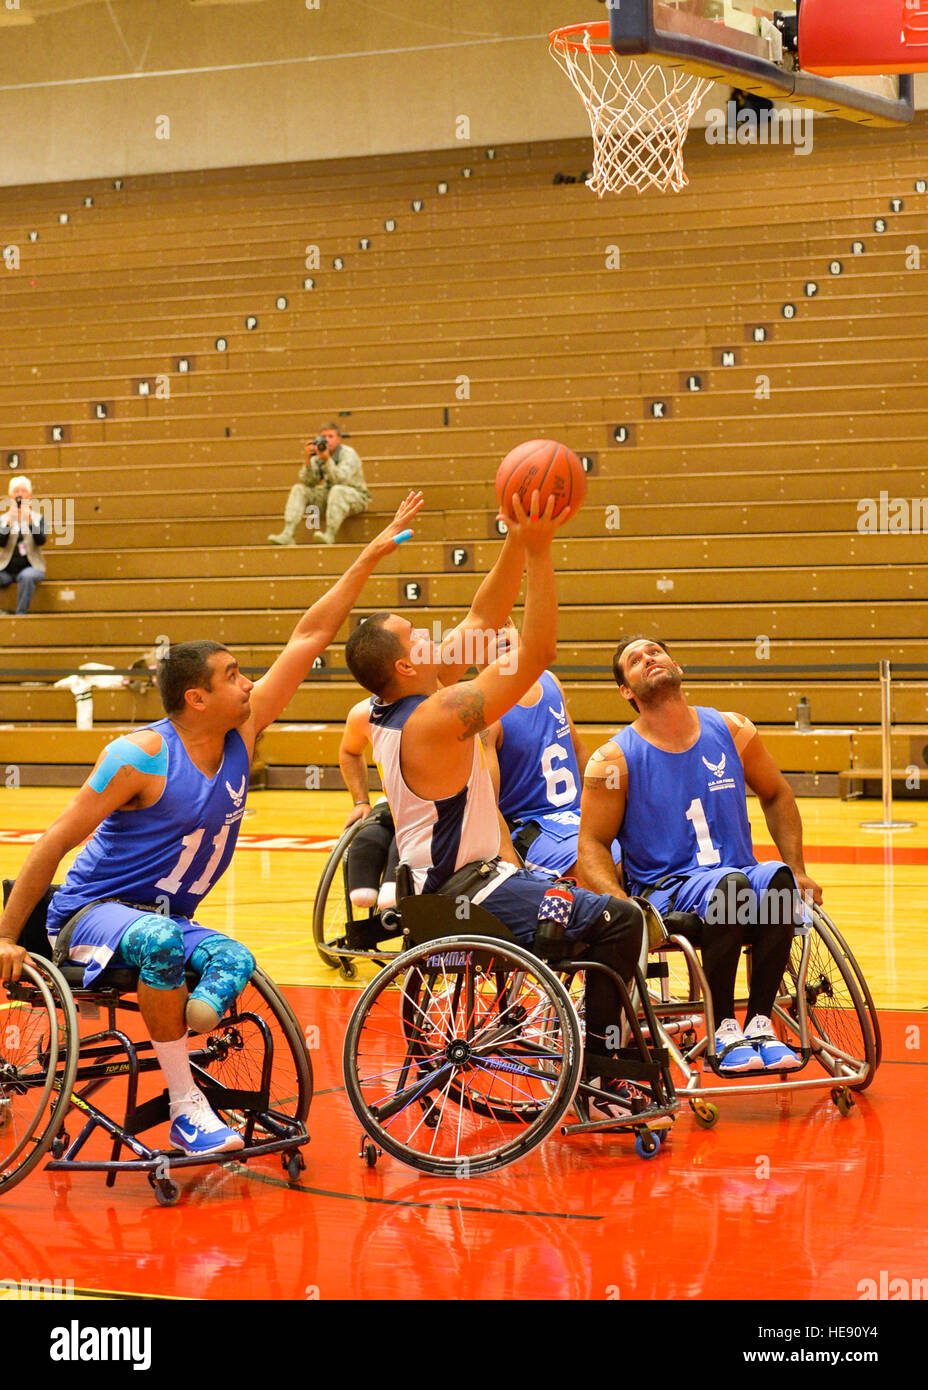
point(197, 1130)
point(774, 1054)
point(735, 1053)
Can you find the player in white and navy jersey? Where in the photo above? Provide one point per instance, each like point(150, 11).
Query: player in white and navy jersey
point(166, 803)
point(433, 768)
point(671, 787)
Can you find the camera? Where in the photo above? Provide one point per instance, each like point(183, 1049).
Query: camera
point(320, 444)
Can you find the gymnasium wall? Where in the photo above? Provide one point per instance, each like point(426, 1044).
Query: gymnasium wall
point(82, 87)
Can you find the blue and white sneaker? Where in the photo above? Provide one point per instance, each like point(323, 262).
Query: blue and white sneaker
point(197, 1131)
point(735, 1055)
point(774, 1054)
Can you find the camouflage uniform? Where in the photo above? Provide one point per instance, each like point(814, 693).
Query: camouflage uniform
point(336, 487)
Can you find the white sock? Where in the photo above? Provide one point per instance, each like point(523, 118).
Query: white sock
point(386, 898)
point(174, 1061)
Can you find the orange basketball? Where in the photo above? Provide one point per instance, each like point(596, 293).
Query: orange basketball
point(547, 466)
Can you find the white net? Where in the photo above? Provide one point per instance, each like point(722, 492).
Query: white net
point(639, 116)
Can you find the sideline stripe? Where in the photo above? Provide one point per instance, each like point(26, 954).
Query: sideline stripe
point(314, 844)
point(307, 843)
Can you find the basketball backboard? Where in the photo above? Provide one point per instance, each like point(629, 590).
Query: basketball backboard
point(754, 48)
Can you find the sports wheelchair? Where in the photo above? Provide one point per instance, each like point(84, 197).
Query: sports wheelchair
point(467, 1050)
point(253, 1068)
point(824, 1012)
point(342, 933)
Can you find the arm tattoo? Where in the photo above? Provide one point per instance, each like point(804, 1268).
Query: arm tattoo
point(467, 706)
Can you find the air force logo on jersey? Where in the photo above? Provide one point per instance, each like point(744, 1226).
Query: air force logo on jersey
point(239, 796)
point(719, 782)
point(717, 768)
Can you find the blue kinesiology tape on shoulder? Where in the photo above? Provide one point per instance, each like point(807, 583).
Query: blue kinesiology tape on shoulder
point(122, 752)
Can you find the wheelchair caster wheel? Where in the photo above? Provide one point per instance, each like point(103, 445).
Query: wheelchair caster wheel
point(843, 1100)
point(370, 1155)
point(294, 1164)
point(704, 1113)
point(166, 1190)
point(431, 1117)
point(647, 1144)
point(348, 970)
point(61, 1143)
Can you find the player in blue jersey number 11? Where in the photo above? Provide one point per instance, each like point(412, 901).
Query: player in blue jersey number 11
point(164, 805)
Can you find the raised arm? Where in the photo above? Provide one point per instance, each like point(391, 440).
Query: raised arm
point(460, 711)
point(352, 760)
point(602, 811)
point(490, 609)
point(319, 624)
point(120, 783)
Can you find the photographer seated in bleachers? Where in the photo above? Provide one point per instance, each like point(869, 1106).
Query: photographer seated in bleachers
point(331, 480)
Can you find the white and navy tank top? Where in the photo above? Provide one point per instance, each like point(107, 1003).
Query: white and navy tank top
point(434, 838)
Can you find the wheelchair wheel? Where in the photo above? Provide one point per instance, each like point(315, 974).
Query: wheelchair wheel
point(332, 908)
point(866, 996)
point(841, 1035)
point(38, 1062)
point(472, 1065)
point(233, 1057)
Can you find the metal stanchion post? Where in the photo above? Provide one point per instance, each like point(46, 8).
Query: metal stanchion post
point(887, 823)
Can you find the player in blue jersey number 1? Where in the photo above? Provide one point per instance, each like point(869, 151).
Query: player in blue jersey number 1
point(671, 787)
point(166, 803)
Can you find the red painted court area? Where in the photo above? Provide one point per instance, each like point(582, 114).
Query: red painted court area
point(784, 1199)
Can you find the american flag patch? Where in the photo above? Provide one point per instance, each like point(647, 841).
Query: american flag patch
point(557, 903)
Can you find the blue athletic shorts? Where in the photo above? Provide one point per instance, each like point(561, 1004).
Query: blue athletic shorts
point(554, 849)
point(96, 938)
point(693, 894)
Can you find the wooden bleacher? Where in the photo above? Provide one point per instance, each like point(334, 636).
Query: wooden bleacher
point(488, 317)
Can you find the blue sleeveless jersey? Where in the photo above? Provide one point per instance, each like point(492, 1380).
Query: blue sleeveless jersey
point(170, 854)
point(685, 812)
point(538, 771)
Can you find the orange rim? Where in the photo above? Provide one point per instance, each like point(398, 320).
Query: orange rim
point(598, 30)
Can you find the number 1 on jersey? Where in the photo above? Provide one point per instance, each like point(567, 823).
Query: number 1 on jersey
point(708, 854)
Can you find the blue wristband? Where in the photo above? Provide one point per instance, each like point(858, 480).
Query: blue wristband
point(403, 536)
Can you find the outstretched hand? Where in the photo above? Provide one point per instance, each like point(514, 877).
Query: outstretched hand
point(386, 542)
point(535, 528)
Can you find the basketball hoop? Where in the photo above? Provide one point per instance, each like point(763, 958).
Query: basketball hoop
point(639, 113)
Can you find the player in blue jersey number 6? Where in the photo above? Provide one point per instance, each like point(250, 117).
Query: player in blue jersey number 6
point(166, 803)
point(671, 788)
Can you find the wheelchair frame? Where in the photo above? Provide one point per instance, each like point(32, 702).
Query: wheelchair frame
point(488, 956)
point(796, 1014)
point(76, 1068)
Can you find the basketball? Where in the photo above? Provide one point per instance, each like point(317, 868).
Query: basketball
point(542, 464)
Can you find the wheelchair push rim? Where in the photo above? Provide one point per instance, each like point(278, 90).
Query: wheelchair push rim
point(38, 1061)
point(464, 1073)
point(841, 1034)
point(234, 1056)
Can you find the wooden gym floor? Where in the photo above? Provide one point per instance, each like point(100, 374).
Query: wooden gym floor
point(784, 1199)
